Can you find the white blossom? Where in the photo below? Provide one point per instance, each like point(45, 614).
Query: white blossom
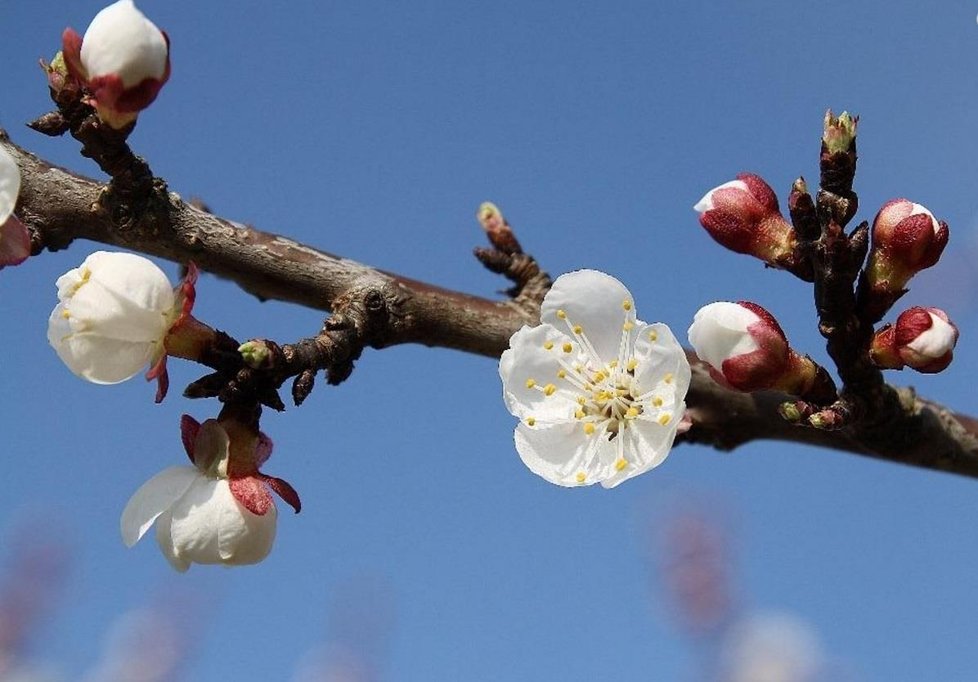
point(598, 392)
point(199, 518)
point(113, 314)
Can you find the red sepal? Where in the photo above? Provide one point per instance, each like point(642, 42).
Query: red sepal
point(283, 490)
point(252, 494)
point(189, 428)
point(158, 372)
point(71, 44)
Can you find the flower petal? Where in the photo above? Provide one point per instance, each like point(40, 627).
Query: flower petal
point(94, 358)
point(596, 302)
point(9, 184)
point(527, 367)
point(561, 453)
point(122, 41)
point(153, 498)
point(245, 538)
point(659, 355)
point(15, 241)
point(251, 494)
point(196, 519)
point(164, 538)
point(646, 445)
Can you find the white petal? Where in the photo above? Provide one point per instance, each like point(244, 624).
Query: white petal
point(528, 359)
point(122, 41)
point(936, 341)
point(659, 354)
point(594, 301)
point(9, 184)
point(196, 519)
point(164, 538)
point(647, 444)
point(245, 538)
point(132, 278)
point(153, 498)
point(720, 331)
point(94, 358)
point(209, 526)
point(706, 203)
point(559, 453)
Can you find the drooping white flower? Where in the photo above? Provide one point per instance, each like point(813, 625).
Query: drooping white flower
point(113, 317)
point(123, 61)
point(599, 393)
point(218, 511)
point(15, 242)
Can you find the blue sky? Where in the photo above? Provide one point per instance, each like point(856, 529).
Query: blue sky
point(374, 130)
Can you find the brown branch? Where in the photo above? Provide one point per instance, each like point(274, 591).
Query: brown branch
point(60, 207)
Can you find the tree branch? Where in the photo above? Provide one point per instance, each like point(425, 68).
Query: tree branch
point(59, 207)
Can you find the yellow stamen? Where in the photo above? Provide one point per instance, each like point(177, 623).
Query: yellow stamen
point(626, 304)
point(632, 364)
point(631, 413)
point(653, 336)
point(579, 414)
point(627, 326)
point(665, 419)
point(581, 400)
point(549, 389)
point(667, 378)
point(589, 428)
point(548, 345)
point(657, 401)
point(530, 383)
point(621, 464)
point(578, 329)
point(561, 315)
point(567, 348)
point(530, 421)
point(561, 373)
point(581, 477)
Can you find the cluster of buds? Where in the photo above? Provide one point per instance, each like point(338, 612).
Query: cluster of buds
point(743, 215)
point(745, 349)
point(121, 63)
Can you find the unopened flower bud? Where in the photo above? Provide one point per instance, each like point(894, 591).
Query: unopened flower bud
point(254, 353)
point(117, 313)
point(922, 339)
point(745, 349)
point(907, 238)
point(122, 61)
point(743, 215)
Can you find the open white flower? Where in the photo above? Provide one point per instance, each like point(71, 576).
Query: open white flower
point(599, 393)
point(219, 511)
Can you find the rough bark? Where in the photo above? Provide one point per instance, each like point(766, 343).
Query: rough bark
point(60, 207)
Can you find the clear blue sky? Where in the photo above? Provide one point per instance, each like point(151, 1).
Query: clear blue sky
point(374, 130)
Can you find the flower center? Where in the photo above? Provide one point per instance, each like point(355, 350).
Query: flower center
point(604, 396)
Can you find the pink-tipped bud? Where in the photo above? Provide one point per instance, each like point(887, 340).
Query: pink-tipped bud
point(745, 349)
point(922, 339)
point(742, 344)
point(122, 61)
point(907, 238)
point(743, 215)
